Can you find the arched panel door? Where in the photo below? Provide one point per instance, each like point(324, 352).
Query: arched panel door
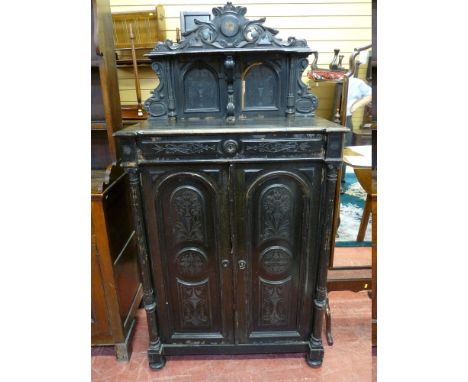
point(200, 88)
point(276, 207)
point(189, 239)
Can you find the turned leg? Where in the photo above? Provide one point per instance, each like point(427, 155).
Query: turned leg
point(328, 323)
point(364, 219)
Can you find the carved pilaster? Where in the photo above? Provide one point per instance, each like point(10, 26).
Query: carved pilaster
point(290, 98)
point(230, 108)
point(171, 103)
point(149, 300)
point(315, 356)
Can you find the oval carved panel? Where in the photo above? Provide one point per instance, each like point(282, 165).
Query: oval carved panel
point(276, 260)
point(191, 262)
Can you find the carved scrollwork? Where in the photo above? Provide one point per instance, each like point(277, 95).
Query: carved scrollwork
point(156, 105)
point(278, 147)
point(228, 29)
point(306, 102)
point(183, 148)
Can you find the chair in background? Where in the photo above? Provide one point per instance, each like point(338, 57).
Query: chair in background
point(353, 278)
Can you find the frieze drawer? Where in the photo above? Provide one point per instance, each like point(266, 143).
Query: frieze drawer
point(233, 147)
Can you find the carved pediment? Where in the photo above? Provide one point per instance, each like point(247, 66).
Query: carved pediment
point(229, 29)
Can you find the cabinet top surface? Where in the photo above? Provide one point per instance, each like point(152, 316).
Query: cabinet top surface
point(219, 126)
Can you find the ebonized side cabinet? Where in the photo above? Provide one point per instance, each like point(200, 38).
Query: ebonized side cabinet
point(232, 183)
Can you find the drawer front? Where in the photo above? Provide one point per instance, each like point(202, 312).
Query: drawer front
point(233, 147)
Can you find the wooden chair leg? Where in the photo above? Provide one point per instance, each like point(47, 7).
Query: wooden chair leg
point(328, 323)
point(364, 219)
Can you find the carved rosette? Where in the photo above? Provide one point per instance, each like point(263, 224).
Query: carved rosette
point(191, 262)
point(276, 260)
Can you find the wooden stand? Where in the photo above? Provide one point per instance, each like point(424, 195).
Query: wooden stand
point(116, 290)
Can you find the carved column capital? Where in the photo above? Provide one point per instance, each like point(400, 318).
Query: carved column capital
point(332, 173)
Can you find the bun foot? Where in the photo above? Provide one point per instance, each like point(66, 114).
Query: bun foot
point(157, 362)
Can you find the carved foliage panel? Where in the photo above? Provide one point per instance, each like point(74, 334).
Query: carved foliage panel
point(275, 213)
point(188, 212)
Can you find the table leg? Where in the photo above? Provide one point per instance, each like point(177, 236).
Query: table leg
point(364, 219)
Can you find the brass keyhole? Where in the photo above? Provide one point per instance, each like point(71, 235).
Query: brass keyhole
point(242, 264)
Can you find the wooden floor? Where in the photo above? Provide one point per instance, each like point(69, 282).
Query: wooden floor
point(350, 359)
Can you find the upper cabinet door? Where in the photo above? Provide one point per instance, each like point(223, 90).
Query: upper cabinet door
point(188, 234)
point(276, 209)
point(200, 88)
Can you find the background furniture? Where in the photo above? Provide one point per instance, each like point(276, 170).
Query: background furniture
point(355, 278)
point(233, 182)
point(187, 19)
point(116, 291)
point(148, 27)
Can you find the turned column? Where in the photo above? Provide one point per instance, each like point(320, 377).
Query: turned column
point(315, 356)
point(155, 357)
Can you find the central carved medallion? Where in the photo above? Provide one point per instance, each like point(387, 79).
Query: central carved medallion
point(191, 263)
point(276, 260)
point(229, 25)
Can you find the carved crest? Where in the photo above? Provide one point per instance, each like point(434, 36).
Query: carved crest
point(229, 29)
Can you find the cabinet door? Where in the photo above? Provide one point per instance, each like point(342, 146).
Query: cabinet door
point(276, 210)
point(187, 217)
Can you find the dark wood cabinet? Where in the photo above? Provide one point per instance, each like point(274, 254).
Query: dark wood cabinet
point(235, 233)
point(232, 181)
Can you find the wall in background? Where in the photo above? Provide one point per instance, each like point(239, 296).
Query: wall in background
point(325, 24)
